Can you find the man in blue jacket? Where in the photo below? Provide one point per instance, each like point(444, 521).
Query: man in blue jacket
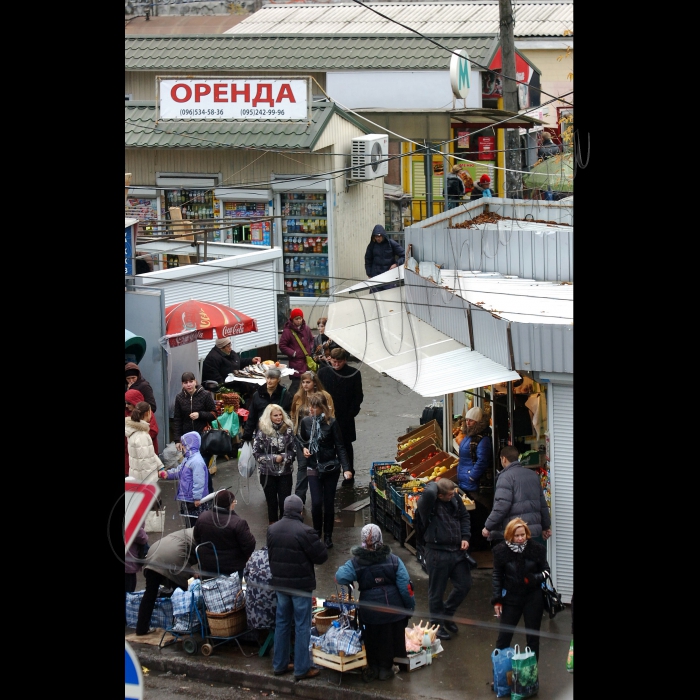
point(382, 253)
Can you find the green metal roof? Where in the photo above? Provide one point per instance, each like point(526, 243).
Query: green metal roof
point(311, 52)
point(142, 131)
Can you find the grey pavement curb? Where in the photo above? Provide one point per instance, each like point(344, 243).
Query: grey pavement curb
point(219, 670)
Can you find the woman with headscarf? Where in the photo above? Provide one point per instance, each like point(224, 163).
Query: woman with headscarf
point(274, 451)
point(382, 579)
point(131, 398)
point(518, 566)
point(144, 463)
point(193, 475)
point(321, 453)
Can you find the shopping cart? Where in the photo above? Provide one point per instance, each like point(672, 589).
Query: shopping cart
point(225, 615)
point(188, 618)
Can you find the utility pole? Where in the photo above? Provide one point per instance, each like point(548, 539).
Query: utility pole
point(514, 180)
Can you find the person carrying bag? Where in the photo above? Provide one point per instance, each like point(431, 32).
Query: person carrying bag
point(310, 362)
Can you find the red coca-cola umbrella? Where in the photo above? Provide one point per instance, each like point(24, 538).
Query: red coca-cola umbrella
point(205, 317)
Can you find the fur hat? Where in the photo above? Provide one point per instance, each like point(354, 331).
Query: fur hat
point(474, 414)
point(222, 342)
point(295, 313)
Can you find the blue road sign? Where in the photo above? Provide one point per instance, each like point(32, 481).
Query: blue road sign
point(133, 678)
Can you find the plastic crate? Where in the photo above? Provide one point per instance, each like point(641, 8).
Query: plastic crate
point(398, 530)
point(380, 519)
point(397, 498)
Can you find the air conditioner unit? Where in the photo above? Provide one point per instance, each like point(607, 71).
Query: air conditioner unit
point(368, 159)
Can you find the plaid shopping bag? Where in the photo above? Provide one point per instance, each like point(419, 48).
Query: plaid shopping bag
point(221, 594)
point(161, 617)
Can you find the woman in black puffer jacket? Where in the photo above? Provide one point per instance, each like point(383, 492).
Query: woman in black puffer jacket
point(321, 452)
point(518, 566)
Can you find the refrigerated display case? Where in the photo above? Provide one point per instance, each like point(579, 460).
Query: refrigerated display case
point(194, 204)
point(241, 208)
point(305, 236)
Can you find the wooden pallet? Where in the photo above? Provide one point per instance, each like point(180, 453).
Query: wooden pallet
point(341, 662)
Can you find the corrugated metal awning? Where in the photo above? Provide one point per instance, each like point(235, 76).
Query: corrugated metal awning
point(377, 330)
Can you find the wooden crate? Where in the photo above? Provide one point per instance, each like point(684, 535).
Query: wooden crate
point(416, 447)
point(341, 662)
point(441, 459)
point(416, 458)
point(430, 428)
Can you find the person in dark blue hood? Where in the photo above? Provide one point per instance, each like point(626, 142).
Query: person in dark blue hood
point(382, 253)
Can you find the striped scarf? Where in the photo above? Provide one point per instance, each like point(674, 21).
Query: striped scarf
point(315, 432)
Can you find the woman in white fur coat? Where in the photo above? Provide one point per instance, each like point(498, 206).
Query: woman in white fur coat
point(144, 463)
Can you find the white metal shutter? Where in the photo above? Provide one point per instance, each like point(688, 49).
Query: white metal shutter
point(212, 287)
point(252, 291)
point(561, 422)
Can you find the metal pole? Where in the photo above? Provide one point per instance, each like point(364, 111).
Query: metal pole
point(511, 437)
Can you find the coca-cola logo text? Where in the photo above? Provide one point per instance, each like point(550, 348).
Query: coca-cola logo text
point(236, 329)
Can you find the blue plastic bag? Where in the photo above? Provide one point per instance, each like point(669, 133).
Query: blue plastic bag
point(502, 666)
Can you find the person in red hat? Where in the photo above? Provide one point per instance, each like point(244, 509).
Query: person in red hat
point(296, 338)
point(482, 188)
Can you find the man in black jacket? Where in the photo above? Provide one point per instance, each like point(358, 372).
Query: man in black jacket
point(344, 384)
point(447, 532)
point(294, 549)
point(223, 360)
point(382, 253)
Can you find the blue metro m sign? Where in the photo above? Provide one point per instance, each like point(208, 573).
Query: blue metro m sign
point(460, 73)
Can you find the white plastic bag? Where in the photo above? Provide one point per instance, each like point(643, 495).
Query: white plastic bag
point(155, 521)
point(246, 461)
point(171, 457)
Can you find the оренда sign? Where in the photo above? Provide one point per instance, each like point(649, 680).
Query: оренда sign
point(224, 99)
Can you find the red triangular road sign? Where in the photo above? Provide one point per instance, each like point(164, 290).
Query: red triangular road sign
point(138, 499)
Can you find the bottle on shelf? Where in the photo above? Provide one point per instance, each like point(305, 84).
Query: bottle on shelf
point(324, 246)
point(317, 288)
point(297, 265)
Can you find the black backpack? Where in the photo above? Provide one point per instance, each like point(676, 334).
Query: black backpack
point(453, 187)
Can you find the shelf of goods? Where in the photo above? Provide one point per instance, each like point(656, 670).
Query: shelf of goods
point(195, 204)
point(305, 243)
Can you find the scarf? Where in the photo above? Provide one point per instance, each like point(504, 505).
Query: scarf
point(517, 548)
point(315, 432)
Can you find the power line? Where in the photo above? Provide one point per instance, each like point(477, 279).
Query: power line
point(427, 38)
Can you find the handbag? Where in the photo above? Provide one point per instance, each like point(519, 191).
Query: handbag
point(310, 362)
point(216, 442)
point(525, 679)
point(552, 599)
point(246, 460)
point(155, 521)
point(501, 660)
point(328, 467)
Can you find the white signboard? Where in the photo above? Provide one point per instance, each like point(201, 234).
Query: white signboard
point(226, 99)
point(460, 73)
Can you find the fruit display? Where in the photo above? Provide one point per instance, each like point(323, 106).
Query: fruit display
point(405, 445)
point(436, 472)
point(397, 480)
point(393, 469)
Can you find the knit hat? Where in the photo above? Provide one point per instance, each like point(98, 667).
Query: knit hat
point(295, 313)
point(474, 414)
point(293, 504)
point(484, 178)
point(222, 342)
point(224, 499)
point(371, 537)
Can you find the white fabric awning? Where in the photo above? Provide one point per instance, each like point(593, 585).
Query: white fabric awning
point(394, 275)
point(376, 329)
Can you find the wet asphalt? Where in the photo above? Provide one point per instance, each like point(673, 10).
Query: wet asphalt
point(463, 669)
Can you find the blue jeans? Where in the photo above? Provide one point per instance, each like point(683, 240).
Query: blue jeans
point(298, 609)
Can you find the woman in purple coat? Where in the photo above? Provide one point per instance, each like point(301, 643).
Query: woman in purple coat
point(296, 337)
